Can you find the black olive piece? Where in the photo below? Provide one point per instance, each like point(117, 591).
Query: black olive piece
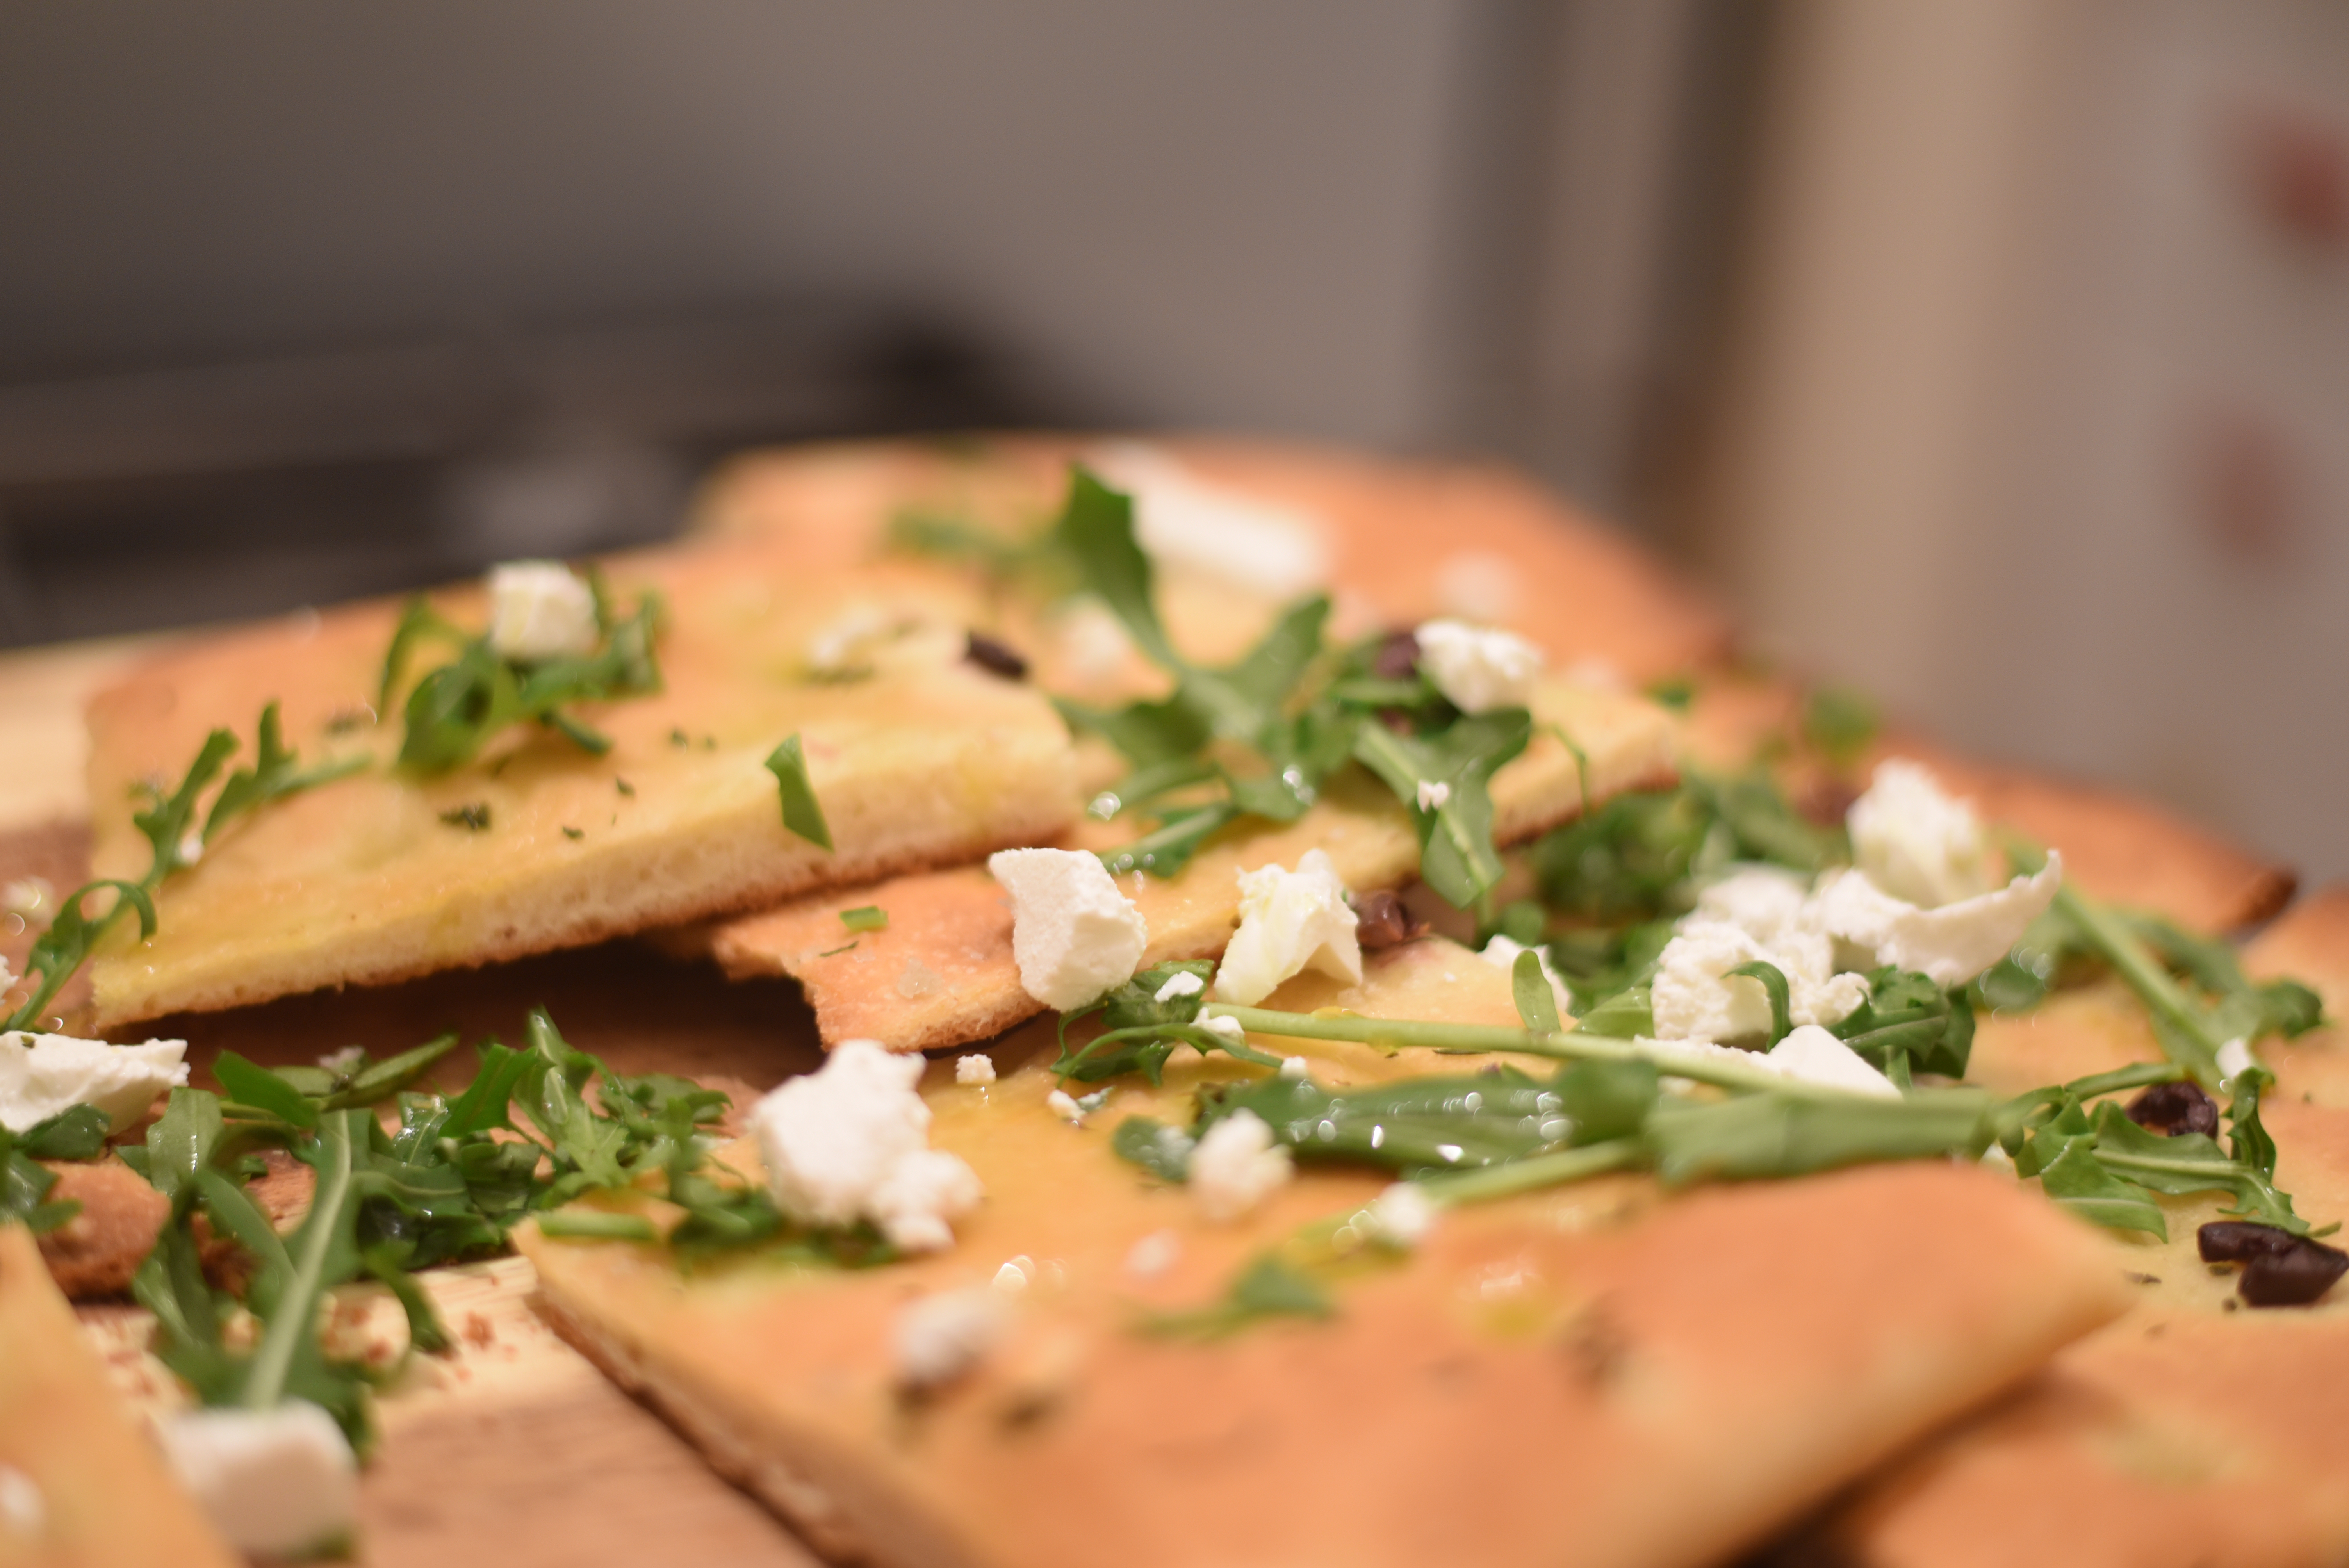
point(995, 658)
point(1381, 921)
point(2293, 1278)
point(2240, 1240)
point(1397, 658)
point(2170, 1109)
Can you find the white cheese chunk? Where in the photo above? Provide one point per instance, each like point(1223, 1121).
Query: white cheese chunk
point(1951, 945)
point(1402, 1214)
point(1184, 520)
point(1477, 667)
point(941, 1337)
point(2235, 1060)
point(1073, 934)
point(850, 1141)
point(23, 1512)
point(1434, 794)
point(975, 1069)
point(42, 1074)
point(1236, 1165)
point(277, 1483)
point(1916, 843)
point(1295, 1069)
point(1502, 951)
point(541, 610)
point(1229, 1028)
point(1063, 1104)
point(1016, 1275)
point(1695, 997)
point(1813, 1055)
point(1182, 983)
point(1154, 1255)
point(1290, 921)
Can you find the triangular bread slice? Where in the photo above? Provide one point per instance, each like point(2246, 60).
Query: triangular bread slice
point(2193, 1430)
point(87, 1489)
point(942, 973)
point(374, 878)
point(1407, 540)
point(1599, 1374)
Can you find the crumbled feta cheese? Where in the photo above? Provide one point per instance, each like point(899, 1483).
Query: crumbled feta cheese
point(1951, 945)
point(1229, 1028)
point(1432, 794)
point(1062, 1104)
point(1402, 1214)
point(192, 847)
point(850, 1141)
point(836, 649)
point(940, 1338)
point(541, 610)
point(1184, 520)
point(1236, 1165)
point(1813, 1055)
point(2235, 1058)
point(1289, 922)
point(1073, 934)
point(1766, 902)
point(1090, 1103)
point(42, 1074)
point(1478, 585)
point(347, 1060)
point(1502, 951)
point(275, 1482)
point(1182, 983)
point(1294, 1068)
point(1015, 1276)
point(976, 1067)
point(23, 1512)
point(1694, 996)
point(1154, 1255)
point(1915, 843)
point(1089, 643)
point(1477, 667)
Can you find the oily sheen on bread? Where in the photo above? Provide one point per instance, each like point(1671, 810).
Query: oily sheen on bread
point(1551, 1378)
point(942, 973)
point(384, 875)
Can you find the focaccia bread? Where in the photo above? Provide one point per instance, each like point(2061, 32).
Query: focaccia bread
point(1405, 541)
point(942, 973)
point(1599, 1375)
point(536, 844)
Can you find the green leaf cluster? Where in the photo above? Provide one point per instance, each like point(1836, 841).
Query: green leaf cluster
point(77, 1132)
point(455, 710)
point(1139, 1032)
point(1909, 1023)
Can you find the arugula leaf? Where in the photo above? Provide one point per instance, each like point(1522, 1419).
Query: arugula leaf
point(1456, 839)
point(1777, 1135)
point(2078, 1180)
point(1096, 530)
point(1267, 1288)
point(802, 813)
point(1907, 1020)
point(1536, 1003)
point(77, 1132)
point(1436, 1123)
point(272, 777)
point(58, 953)
point(1164, 1151)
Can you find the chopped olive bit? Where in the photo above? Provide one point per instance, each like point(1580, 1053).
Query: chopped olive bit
point(994, 657)
point(168, 822)
point(2280, 1268)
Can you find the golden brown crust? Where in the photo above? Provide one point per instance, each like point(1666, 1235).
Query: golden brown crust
point(363, 881)
point(98, 1251)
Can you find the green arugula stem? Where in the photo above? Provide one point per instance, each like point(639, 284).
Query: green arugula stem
point(2187, 1041)
point(1539, 1171)
point(1571, 1045)
point(296, 1317)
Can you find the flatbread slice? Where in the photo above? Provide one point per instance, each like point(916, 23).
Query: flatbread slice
point(81, 1486)
point(942, 973)
point(1407, 540)
point(1598, 1375)
point(382, 876)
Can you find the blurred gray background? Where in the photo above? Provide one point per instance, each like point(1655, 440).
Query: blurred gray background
point(1991, 355)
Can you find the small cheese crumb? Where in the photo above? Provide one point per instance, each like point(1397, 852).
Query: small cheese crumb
point(43, 1075)
point(1432, 794)
point(1813, 1055)
point(539, 610)
point(1995, 1158)
point(2235, 1060)
point(1064, 1105)
point(1154, 1255)
point(849, 1142)
point(1237, 1166)
point(1916, 843)
point(275, 1482)
point(345, 1061)
point(1290, 921)
point(1182, 983)
point(976, 1067)
point(1073, 933)
point(1478, 668)
point(941, 1337)
point(1402, 1214)
point(1229, 1028)
point(192, 847)
point(24, 1512)
point(1294, 1068)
